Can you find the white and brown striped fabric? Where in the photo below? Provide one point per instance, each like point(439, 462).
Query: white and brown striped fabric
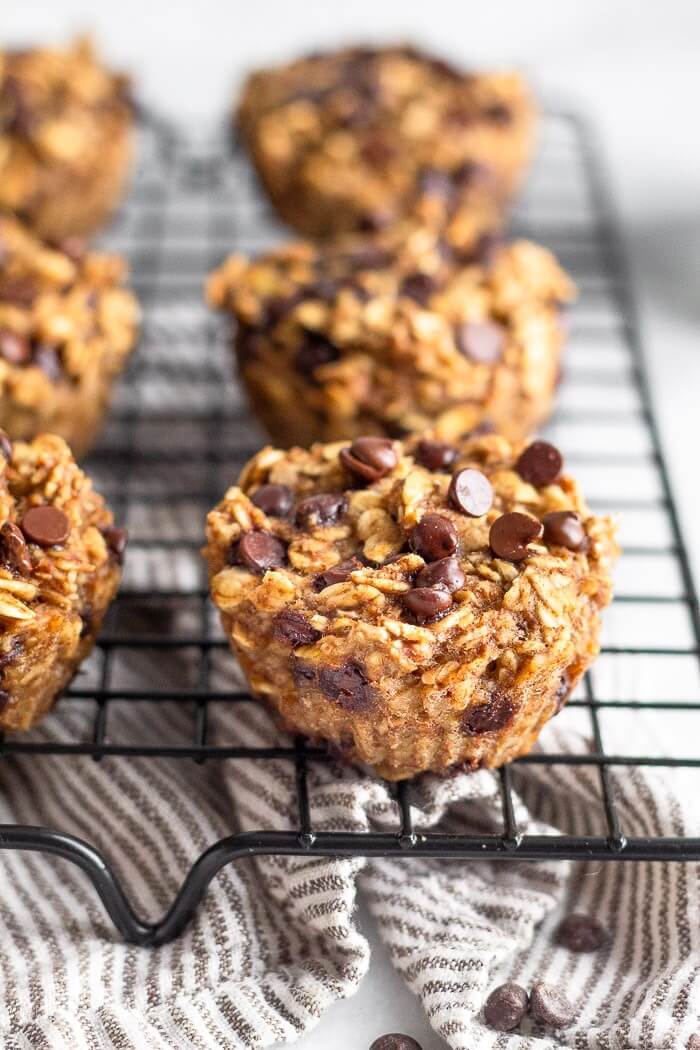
point(275, 942)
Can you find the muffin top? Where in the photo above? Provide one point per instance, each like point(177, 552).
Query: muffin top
point(63, 309)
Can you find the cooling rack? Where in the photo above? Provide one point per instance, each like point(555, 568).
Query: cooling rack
point(179, 433)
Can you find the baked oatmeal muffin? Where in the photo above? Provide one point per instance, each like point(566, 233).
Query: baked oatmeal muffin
point(65, 138)
point(60, 565)
point(418, 604)
point(395, 333)
point(353, 139)
point(67, 327)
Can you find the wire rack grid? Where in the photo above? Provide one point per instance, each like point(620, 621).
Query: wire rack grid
point(179, 434)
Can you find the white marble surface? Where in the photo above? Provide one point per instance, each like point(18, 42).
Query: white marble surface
point(633, 66)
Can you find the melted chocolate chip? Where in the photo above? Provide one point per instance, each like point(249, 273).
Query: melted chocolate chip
point(539, 464)
point(418, 286)
point(116, 540)
point(434, 537)
point(550, 1007)
point(336, 574)
point(580, 933)
point(435, 455)
point(273, 500)
point(510, 534)
point(291, 628)
point(303, 674)
point(427, 603)
point(259, 551)
point(46, 526)
point(14, 553)
point(505, 1007)
point(480, 341)
point(5, 445)
point(348, 686)
point(314, 352)
point(445, 573)
point(395, 1041)
point(369, 458)
point(14, 348)
point(496, 713)
point(470, 491)
point(564, 528)
point(319, 511)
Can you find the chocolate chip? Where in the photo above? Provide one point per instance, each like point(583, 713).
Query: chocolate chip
point(373, 221)
point(14, 348)
point(480, 341)
point(303, 674)
point(279, 306)
point(377, 152)
point(116, 540)
point(395, 1041)
point(369, 458)
point(274, 500)
point(4, 699)
point(435, 455)
point(550, 1007)
point(319, 511)
point(564, 528)
point(348, 685)
point(20, 291)
point(434, 537)
point(539, 464)
point(505, 1007)
point(427, 603)
point(471, 172)
point(249, 343)
point(259, 551)
point(418, 286)
point(510, 534)
point(562, 693)
point(496, 713)
point(445, 573)
point(314, 352)
point(291, 628)
point(336, 574)
point(5, 445)
point(580, 933)
point(47, 359)
point(470, 491)
point(46, 526)
point(14, 553)
point(498, 114)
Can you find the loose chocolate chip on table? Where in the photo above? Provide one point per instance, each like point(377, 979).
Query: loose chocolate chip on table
point(539, 464)
point(550, 1007)
point(116, 540)
point(348, 685)
point(275, 500)
point(580, 933)
point(14, 553)
point(434, 537)
point(336, 574)
point(443, 573)
point(480, 341)
point(259, 551)
point(46, 526)
point(14, 348)
point(5, 445)
point(496, 713)
point(427, 603)
point(395, 1041)
point(435, 455)
point(317, 511)
point(418, 286)
point(470, 491)
point(369, 458)
point(564, 528)
point(505, 1007)
point(291, 628)
point(315, 351)
point(510, 534)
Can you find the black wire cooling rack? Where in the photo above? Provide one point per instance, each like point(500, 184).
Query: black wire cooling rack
point(179, 433)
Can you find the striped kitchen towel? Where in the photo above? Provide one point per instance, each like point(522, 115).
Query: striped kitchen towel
point(275, 941)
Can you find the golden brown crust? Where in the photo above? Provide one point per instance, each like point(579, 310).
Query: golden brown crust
point(67, 327)
point(355, 138)
point(377, 335)
point(349, 659)
point(65, 138)
point(52, 597)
